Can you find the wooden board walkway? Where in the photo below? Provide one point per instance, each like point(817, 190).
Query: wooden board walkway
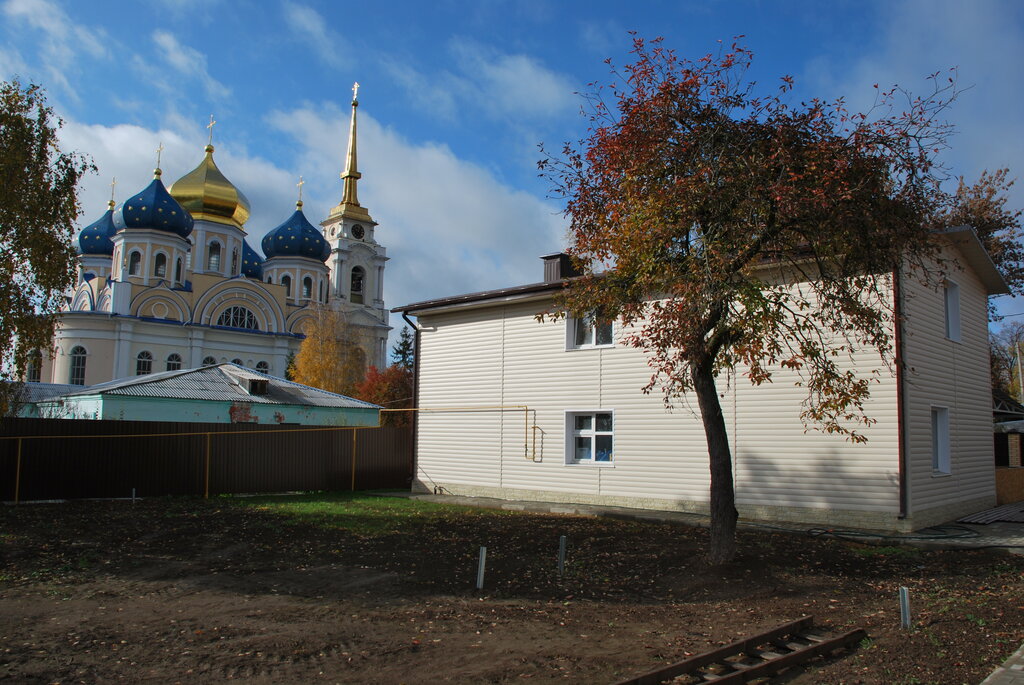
point(758, 656)
point(1008, 512)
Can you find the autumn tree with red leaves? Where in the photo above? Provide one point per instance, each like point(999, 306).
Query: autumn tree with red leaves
point(696, 205)
point(390, 388)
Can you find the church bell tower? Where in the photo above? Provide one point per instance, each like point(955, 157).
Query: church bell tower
point(357, 260)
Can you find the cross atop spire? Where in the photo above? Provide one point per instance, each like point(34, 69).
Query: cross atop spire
point(355, 93)
point(113, 184)
point(210, 126)
point(349, 207)
point(298, 205)
point(159, 150)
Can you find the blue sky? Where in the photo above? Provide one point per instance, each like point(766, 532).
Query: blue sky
point(455, 98)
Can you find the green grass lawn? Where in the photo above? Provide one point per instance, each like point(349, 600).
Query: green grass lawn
point(363, 513)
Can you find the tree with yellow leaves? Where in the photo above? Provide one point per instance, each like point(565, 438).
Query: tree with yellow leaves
point(330, 357)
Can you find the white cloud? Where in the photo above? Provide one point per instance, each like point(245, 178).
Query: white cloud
point(190, 63)
point(310, 27)
point(63, 40)
point(449, 226)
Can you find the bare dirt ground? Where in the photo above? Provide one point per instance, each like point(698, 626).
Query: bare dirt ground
point(190, 591)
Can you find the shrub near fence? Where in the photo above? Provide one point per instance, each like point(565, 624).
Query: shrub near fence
point(69, 459)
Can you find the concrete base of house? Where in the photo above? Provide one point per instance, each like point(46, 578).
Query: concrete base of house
point(876, 521)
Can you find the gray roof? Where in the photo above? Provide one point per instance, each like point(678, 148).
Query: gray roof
point(37, 392)
point(224, 382)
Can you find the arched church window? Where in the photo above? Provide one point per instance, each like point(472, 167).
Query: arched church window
point(263, 367)
point(238, 317)
point(270, 279)
point(209, 361)
point(238, 361)
point(286, 281)
point(177, 271)
point(213, 257)
point(320, 291)
point(134, 263)
point(234, 262)
point(143, 363)
point(160, 265)
point(34, 370)
point(76, 371)
point(358, 276)
point(307, 287)
point(173, 361)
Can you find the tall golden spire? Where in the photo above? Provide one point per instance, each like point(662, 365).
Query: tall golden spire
point(350, 206)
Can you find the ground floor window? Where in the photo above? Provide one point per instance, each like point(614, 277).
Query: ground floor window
point(590, 437)
point(76, 371)
point(34, 371)
point(940, 441)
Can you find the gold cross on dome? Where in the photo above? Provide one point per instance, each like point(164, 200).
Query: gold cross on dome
point(355, 91)
point(113, 184)
point(159, 150)
point(210, 126)
point(300, 184)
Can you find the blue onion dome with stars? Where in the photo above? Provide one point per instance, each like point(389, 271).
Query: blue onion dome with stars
point(252, 263)
point(153, 208)
point(296, 237)
point(96, 237)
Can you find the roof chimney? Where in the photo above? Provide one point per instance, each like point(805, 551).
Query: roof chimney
point(558, 266)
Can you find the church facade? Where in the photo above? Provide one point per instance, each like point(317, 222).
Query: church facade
point(168, 280)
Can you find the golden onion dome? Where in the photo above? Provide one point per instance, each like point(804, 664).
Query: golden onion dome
point(207, 194)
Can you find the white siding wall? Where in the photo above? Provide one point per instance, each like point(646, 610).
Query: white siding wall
point(500, 355)
point(943, 372)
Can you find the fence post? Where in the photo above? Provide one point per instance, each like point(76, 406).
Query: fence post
point(17, 475)
point(354, 459)
point(206, 477)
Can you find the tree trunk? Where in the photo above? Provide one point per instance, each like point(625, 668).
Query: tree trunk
point(723, 496)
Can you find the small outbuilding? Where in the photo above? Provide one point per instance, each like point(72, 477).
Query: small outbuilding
point(220, 393)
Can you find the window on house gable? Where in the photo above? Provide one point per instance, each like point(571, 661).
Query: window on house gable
point(590, 437)
point(951, 294)
point(940, 441)
point(143, 363)
point(588, 331)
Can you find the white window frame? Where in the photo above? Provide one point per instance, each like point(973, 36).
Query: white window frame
point(571, 433)
point(951, 308)
point(573, 324)
point(941, 464)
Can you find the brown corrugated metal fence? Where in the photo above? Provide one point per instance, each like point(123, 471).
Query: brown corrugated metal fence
point(67, 459)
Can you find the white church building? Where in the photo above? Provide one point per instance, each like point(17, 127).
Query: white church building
point(168, 280)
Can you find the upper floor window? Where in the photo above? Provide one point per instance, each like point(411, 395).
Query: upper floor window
point(238, 361)
point(591, 437)
point(263, 367)
point(589, 331)
point(34, 370)
point(286, 281)
point(173, 362)
point(209, 361)
point(307, 287)
point(238, 317)
point(160, 265)
point(177, 271)
point(951, 295)
point(234, 262)
point(143, 363)
point(358, 276)
point(76, 370)
point(213, 257)
point(134, 263)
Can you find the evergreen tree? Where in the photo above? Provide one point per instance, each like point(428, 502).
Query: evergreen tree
point(404, 352)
